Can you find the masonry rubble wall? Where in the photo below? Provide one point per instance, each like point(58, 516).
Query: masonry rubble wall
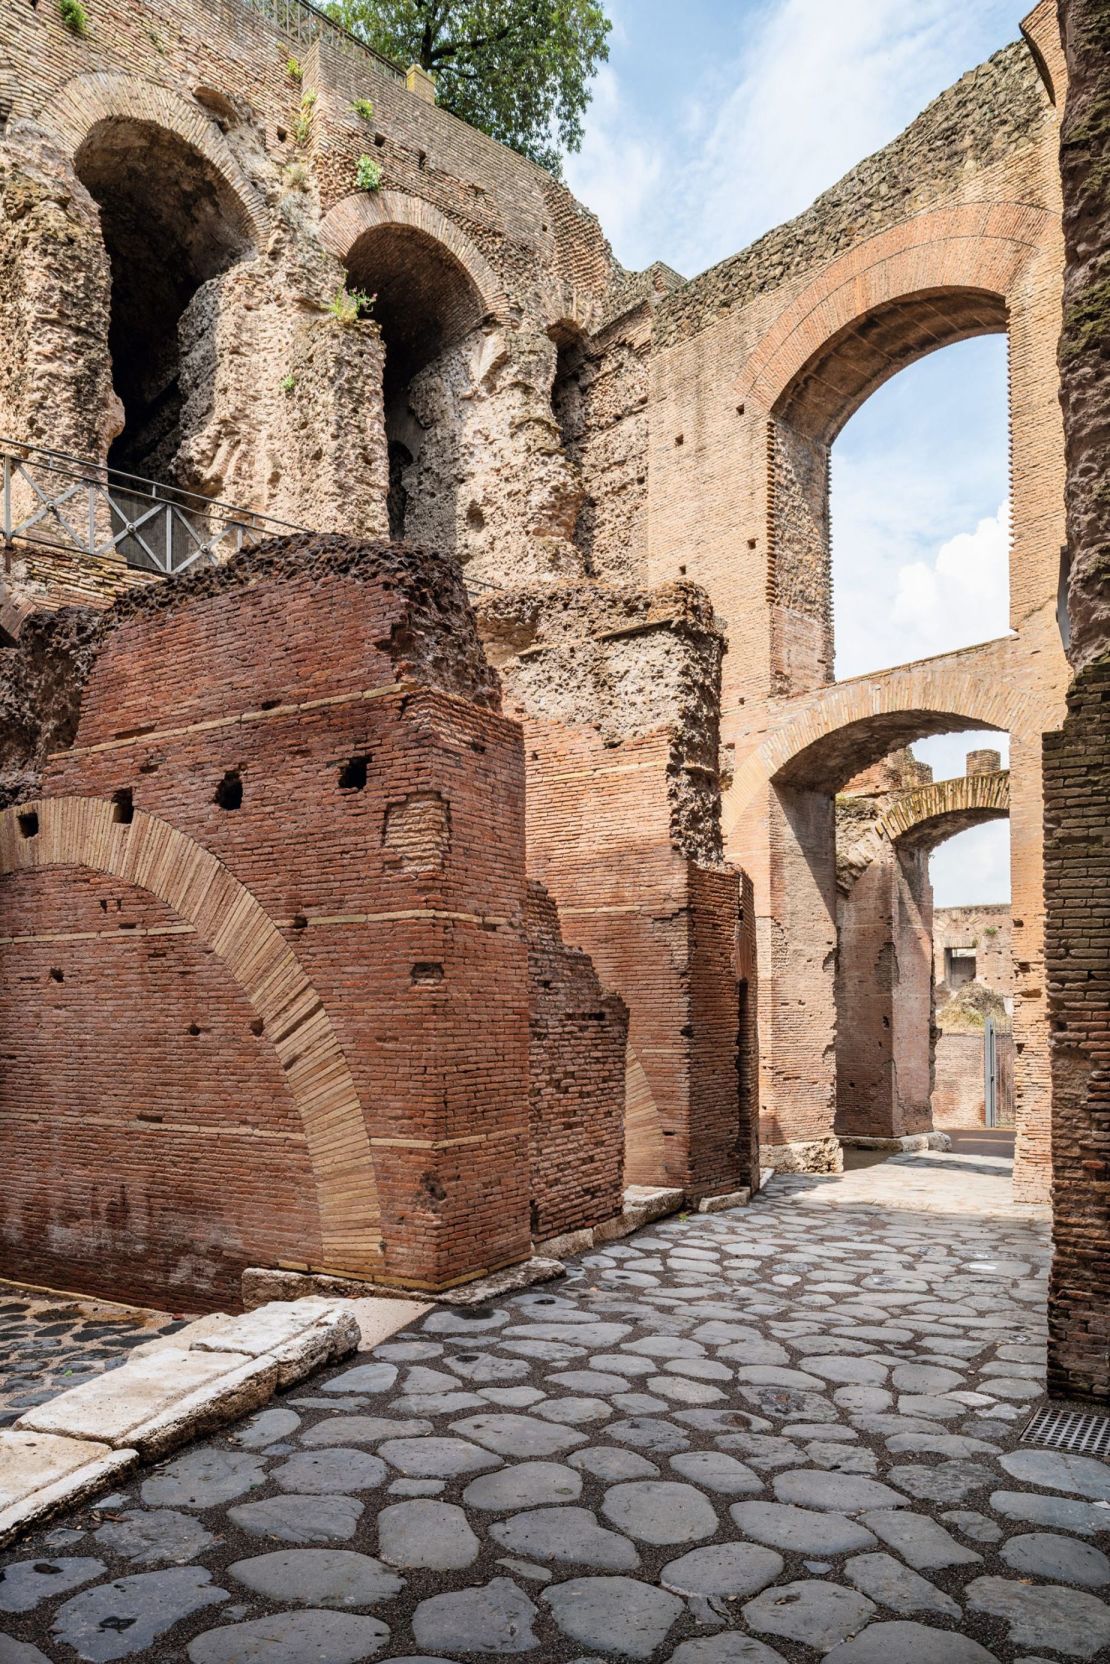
point(576, 1081)
point(253, 893)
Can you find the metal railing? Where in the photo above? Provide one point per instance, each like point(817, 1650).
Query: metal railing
point(301, 21)
point(56, 501)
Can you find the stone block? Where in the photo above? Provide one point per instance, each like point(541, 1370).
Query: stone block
point(154, 1403)
point(718, 1204)
point(43, 1472)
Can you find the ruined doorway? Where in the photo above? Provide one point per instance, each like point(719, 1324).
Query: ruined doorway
point(170, 224)
point(429, 312)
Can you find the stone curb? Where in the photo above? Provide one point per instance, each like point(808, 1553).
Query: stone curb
point(168, 1392)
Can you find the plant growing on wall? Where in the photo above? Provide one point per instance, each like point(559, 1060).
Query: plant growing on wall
point(363, 108)
point(302, 127)
point(518, 69)
point(368, 175)
point(349, 305)
point(293, 68)
point(74, 16)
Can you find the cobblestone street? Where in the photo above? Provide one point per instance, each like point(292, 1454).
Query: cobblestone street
point(781, 1433)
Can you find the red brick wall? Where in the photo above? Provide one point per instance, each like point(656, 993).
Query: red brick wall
point(958, 1088)
point(1077, 870)
point(136, 1159)
point(662, 931)
point(401, 898)
point(575, 1082)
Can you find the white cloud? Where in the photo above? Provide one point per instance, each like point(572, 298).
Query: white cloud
point(959, 598)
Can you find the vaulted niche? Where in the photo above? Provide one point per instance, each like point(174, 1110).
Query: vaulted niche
point(170, 224)
point(923, 461)
point(427, 307)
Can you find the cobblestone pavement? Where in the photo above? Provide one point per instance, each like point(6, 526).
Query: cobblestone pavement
point(782, 1433)
point(51, 1342)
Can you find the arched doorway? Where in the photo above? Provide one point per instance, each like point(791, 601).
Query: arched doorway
point(890, 821)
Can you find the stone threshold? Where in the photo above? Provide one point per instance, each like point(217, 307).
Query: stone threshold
point(906, 1144)
point(168, 1392)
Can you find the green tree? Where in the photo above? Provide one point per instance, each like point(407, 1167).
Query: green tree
point(518, 69)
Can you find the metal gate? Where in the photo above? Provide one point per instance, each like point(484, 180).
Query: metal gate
point(998, 1072)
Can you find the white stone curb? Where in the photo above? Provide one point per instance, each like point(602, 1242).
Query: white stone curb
point(168, 1392)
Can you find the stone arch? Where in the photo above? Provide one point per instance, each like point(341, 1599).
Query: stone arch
point(355, 217)
point(973, 253)
point(107, 96)
point(931, 814)
point(157, 857)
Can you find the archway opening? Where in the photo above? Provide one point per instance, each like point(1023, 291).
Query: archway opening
point(908, 951)
point(890, 491)
point(170, 224)
point(428, 308)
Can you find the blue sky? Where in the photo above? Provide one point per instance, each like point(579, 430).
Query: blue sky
point(714, 121)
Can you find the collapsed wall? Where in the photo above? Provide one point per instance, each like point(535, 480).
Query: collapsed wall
point(261, 861)
point(617, 690)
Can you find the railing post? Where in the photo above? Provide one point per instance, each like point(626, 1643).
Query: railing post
point(169, 513)
point(91, 488)
point(7, 499)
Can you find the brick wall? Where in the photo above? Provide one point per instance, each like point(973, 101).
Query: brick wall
point(575, 1083)
point(617, 698)
point(301, 873)
point(1077, 865)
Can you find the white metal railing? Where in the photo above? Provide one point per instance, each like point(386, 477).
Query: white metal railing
point(301, 21)
point(63, 502)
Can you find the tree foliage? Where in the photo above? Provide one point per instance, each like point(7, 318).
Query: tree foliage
point(518, 69)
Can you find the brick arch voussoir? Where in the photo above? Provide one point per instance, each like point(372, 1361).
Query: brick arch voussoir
point(353, 216)
point(157, 857)
point(979, 246)
point(103, 95)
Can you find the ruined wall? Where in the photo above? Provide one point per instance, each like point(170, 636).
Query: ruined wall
point(616, 690)
point(987, 930)
point(952, 230)
point(209, 120)
point(575, 1081)
point(1077, 864)
point(884, 1003)
point(259, 892)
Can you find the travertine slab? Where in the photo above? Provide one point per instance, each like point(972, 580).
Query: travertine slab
point(42, 1472)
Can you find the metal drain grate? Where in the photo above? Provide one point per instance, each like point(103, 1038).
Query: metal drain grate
point(1069, 1430)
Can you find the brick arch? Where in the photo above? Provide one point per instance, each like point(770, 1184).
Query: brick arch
point(88, 101)
point(965, 261)
point(364, 212)
point(929, 815)
point(155, 856)
point(819, 741)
